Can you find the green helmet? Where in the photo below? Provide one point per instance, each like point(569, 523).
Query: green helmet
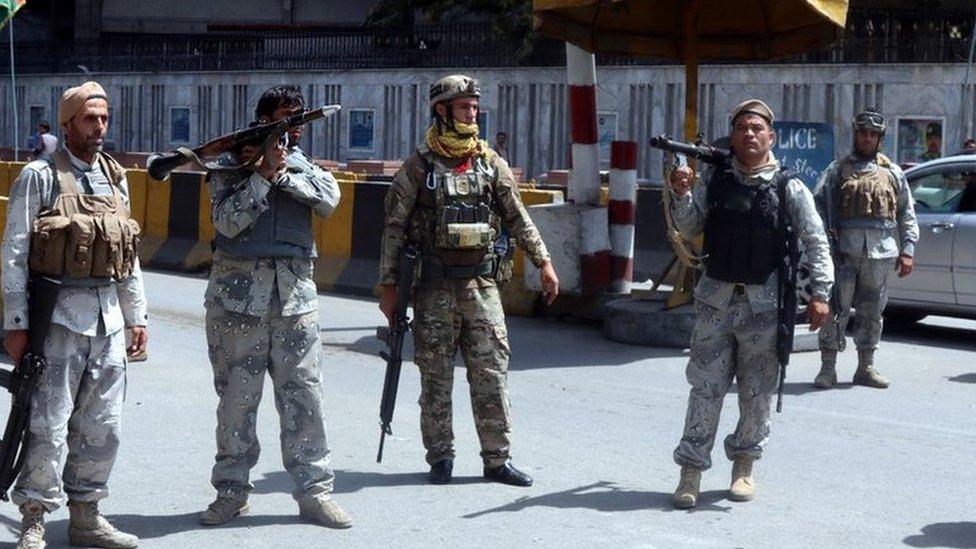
point(870, 119)
point(452, 87)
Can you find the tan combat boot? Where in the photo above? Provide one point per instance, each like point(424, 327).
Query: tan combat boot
point(866, 374)
point(32, 526)
point(743, 486)
point(224, 509)
point(88, 528)
point(686, 494)
point(322, 510)
point(827, 377)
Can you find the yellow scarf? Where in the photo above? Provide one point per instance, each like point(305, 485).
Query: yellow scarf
point(462, 142)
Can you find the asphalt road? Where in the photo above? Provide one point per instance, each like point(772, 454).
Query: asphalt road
point(595, 424)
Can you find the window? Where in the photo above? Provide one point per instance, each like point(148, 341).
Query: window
point(361, 130)
point(179, 124)
point(483, 124)
point(942, 192)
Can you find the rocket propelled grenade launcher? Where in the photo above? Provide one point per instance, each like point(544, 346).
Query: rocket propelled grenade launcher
point(160, 165)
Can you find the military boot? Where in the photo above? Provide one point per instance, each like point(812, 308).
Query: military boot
point(32, 526)
point(322, 510)
point(224, 509)
point(88, 528)
point(866, 374)
point(686, 494)
point(827, 377)
point(743, 486)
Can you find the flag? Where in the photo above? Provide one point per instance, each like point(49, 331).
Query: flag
point(8, 8)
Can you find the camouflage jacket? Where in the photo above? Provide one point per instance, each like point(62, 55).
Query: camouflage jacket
point(690, 211)
point(401, 200)
point(247, 285)
point(77, 309)
point(891, 240)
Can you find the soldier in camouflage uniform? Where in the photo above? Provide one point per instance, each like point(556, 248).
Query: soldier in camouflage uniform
point(868, 207)
point(78, 401)
point(262, 316)
point(451, 200)
point(737, 211)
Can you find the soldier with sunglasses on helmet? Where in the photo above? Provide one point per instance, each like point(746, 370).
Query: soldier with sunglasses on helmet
point(867, 206)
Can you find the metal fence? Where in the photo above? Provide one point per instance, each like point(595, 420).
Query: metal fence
point(872, 36)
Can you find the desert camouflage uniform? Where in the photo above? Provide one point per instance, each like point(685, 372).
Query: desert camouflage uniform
point(735, 332)
point(262, 316)
point(865, 259)
point(453, 313)
point(78, 401)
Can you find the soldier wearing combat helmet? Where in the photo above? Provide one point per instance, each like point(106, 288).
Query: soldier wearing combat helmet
point(451, 200)
point(740, 210)
point(867, 205)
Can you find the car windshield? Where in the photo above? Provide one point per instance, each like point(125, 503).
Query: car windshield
point(942, 192)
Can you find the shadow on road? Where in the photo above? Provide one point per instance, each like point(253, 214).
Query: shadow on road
point(930, 335)
point(800, 388)
point(160, 526)
point(945, 534)
point(964, 378)
point(607, 497)
point(347, 482)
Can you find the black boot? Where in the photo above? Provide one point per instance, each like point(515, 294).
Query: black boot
point(508, 474)
point(440, 472)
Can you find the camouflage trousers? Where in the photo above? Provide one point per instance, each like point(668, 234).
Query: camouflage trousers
point(78, 404)
point(862, 283)
point(242, 348)
point(734, 343)
point(466, 314)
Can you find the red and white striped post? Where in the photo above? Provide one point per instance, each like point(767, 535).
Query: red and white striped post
point(584, 178)
point(622, 208)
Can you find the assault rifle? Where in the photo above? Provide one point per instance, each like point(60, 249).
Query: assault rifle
point(834, 244)
point(160, 165)
point(786, 299)
point(699, 150)
point(393, 337)
point(22, 381)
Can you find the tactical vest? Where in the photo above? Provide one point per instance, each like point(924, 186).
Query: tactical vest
point(743, 239)
point(870, 195)
point(456, 215)
point(85, 236)
point(283, 230)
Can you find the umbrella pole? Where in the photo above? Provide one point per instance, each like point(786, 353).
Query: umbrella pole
point(685, 279)
point(13, 90)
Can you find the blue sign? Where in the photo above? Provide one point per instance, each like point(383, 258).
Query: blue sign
point(805, 147)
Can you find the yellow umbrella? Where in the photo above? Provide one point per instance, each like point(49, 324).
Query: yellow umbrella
point(694, 30)
point(689, 31)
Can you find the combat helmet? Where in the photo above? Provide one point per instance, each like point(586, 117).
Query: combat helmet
point(870, 119)
point(452, 87)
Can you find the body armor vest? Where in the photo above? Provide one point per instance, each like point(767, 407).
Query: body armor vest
point(457, 218)
point(283, 230)
point(85, 236)
point(870, 195)
point(743, 240)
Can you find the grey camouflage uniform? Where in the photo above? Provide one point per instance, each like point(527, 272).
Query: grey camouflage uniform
point(865, 259)
point(735, 332)
point(78, 402)
point(459, 313)
point(262, 316)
